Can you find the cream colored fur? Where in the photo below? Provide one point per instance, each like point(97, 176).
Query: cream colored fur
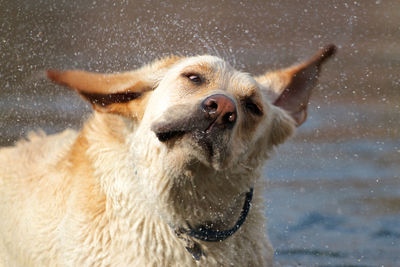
point(112, 193)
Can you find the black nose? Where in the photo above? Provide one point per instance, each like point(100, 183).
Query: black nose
point(221, 109)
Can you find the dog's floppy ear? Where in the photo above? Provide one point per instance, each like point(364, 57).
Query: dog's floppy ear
point(114, 93)
point(291, 88)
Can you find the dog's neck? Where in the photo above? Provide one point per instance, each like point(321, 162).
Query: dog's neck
point(194, 193)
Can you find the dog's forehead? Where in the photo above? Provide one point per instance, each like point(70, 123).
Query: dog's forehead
point(220, 70)
point(205, 64)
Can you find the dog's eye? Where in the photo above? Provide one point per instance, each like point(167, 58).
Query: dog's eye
point(193, 77)
point(253, 108)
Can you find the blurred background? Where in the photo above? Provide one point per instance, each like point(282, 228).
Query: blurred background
point(334, 189)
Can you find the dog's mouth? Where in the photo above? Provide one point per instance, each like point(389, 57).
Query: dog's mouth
point(165, 136)
point(168, 131)
point(201, 131)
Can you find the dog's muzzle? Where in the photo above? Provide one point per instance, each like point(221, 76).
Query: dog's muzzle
point(215, 114)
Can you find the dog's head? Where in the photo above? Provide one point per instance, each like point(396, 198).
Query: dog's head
point(200, 109)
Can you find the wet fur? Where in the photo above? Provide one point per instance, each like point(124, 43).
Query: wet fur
point(112, 193)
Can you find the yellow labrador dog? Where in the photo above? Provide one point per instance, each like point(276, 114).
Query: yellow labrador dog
point(166, 172)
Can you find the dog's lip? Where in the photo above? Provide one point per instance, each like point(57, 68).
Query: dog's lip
point(166, 131)
point(168, 135)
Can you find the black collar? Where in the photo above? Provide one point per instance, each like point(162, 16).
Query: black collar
point(206, 233)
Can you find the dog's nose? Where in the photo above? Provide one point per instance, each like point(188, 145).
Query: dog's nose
point(220, 108)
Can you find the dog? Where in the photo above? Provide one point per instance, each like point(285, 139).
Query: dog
point(165, 172)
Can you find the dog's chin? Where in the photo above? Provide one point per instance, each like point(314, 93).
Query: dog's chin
point(197, 147)
point(213, 148)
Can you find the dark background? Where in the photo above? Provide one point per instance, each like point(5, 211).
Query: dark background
point(334, 194)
